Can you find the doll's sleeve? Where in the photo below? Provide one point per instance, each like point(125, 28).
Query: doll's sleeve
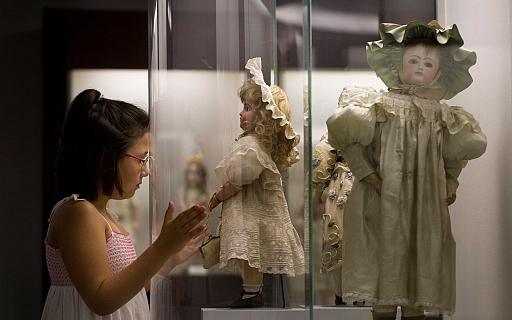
point(351, 127)
point(323, 162)
point(244, 164)
point(462, 138)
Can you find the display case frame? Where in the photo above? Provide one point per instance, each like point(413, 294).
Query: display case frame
point(194, 74)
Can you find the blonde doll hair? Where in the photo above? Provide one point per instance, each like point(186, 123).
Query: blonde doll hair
point(270, 133)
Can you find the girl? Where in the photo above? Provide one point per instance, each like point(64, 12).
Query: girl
point(406, 150)
point(257, 234)
point(95, 274)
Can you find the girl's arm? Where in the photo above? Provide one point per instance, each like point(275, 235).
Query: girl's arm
point(81, 233)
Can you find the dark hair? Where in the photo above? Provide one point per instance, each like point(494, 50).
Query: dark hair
point(95, 134)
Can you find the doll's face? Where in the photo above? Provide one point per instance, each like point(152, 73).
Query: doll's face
point(195, 176)
point(248, 117)
point(419, 65)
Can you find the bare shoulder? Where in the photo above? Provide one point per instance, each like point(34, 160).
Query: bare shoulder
point(72, 217)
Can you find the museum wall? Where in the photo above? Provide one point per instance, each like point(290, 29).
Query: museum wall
point(21, 213)
point(481, 216)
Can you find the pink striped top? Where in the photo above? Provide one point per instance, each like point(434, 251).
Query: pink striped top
point(120, 252)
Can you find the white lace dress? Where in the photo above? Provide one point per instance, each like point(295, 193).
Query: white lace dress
point(63, 300)
point(256, 224)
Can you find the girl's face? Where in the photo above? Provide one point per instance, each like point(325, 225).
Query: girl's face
point(248, 117)
point(132, 170)
point(419, 65)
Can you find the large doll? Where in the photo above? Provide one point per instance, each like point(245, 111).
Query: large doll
point(256, 232)
point(406, 149)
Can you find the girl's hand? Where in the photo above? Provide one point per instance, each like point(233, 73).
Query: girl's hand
point(188, 251)
point(177, 232)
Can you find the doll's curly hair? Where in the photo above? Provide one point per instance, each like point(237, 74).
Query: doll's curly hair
point(270, 133)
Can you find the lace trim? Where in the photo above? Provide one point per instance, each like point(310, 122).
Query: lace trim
point(352, 297)
point(454, 118)
point(254, 67)
point(242, 148)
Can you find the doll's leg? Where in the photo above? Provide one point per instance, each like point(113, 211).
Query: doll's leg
point(384, 313)
point(336, 278)
point(413, 313)
point(252, 282)
point(250, 275)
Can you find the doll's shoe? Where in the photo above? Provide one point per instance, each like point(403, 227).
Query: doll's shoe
point(383, 316)
point(339, 301)
point(253, 302)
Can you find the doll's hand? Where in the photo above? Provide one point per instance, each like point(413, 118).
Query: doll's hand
point(451, 189)
point(178, 232)
point(375, 181)
point(451, 199)
point(214, 202)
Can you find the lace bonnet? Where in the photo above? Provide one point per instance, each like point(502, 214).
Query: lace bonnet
point(254, 66)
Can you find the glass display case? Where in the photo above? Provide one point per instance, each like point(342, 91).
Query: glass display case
point(312, 49)
point(198, 50)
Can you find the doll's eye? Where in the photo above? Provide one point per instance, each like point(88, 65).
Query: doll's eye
point(429, 64)
point(247, 107)
point(413, 61)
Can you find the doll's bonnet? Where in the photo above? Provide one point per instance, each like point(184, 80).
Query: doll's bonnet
point(385, 56)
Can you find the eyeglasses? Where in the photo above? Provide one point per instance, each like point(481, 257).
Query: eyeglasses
point(143, 162)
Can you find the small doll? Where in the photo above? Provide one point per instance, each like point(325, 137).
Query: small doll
point(195, 190)
point(331, 176)
point(406, 150)
point(257, 235)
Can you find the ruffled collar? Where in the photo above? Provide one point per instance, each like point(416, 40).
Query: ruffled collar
point(419, 91)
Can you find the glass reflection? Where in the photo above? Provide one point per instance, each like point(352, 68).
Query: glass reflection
point(194, 77)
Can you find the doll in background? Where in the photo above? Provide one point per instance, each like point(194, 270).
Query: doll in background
point(195, 190)
point(406, 150)
point(257, 235)
point(331, 174)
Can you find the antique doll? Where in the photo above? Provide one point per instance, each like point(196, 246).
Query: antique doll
point(406, 149)
point(332, 183)
point(257, 235)
point(195, 190)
